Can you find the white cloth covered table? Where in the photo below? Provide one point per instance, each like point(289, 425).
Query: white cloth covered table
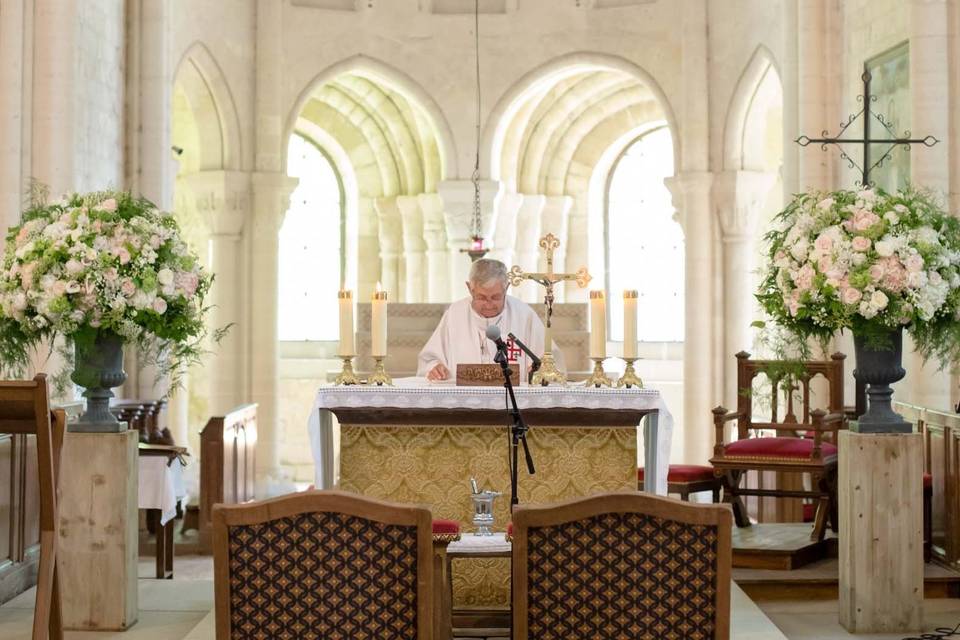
point(417, 393)
point(160, 486)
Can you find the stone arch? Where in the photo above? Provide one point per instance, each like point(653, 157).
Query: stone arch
point(761, 64)
point(514, 108)
point(205, 87)
point(428, 117)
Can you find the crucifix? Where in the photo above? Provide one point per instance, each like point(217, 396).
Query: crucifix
point(894, 140)
point(548, 369)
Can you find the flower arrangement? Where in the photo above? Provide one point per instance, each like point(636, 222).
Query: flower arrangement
point(867, 261)
point(97, 263)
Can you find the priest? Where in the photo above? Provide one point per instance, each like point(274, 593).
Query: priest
point(461, 336)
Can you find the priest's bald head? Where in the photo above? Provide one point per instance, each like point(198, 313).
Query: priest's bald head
point(488, 285)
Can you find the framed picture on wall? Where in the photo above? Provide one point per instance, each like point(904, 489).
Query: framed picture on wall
point(890, 84)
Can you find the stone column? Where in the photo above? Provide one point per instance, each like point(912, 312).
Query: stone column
point(16, 90)
point(930, 107)
point(414, 248)
point(223, 199)
point(458, 213)
point(529, 219)
point(271, 199)
point(691, 197)
point(813, 93)
point(390, 234)
point(738, 197)
point(435, 237)
point(505, 233)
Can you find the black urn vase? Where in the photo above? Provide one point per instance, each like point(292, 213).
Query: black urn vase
point(878, 366)
point(98, 367)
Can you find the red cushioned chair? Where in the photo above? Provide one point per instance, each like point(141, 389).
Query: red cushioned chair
point(686, 479)
point(814, 453)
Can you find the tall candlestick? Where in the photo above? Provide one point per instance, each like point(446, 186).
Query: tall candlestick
point(346, 323)
point(629, 324)
point(379, 323)
point(598, 325)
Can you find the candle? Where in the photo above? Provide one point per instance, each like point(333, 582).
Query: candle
point(379, 323)
point(629, 324)
point(598, 325)
point(346, 323)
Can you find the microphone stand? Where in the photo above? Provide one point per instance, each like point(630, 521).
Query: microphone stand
point(518, 431)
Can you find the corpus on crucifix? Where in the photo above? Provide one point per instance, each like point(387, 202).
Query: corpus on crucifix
point(548, 371)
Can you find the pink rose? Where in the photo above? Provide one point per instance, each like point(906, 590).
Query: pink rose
point(914, 263)
point(823, 243)
point(804, 279)
point(187, 281)
point(110, 274)
point(851, 296)
point(876, 272)
point(159, 305)
point(124, 255)
point(22, 235)
point(825, 264)
point(109, 205)
point(861, 243)
point(127, 287)
point(894, 274)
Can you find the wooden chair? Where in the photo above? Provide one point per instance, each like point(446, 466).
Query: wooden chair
point(25, 410)
point(323, 565)
point(621, 565)
point(808, 446)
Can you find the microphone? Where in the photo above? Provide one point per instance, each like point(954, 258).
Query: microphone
point(493, 333)
point(534, 360)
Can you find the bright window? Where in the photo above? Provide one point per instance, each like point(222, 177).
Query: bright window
point(645, 249)
point(310, 247)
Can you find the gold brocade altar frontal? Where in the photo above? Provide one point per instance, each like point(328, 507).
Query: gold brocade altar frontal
point(432, 465)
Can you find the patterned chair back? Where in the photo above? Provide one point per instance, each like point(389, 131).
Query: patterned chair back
point(323, 565)
point(622, 565)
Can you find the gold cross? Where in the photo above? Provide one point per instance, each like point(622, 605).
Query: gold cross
point(548, 372)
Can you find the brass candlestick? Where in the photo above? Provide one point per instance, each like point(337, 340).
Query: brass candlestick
point(347, 376)
point(598, 378)
point(630, 378)
point(379, 376)
point(548, 372)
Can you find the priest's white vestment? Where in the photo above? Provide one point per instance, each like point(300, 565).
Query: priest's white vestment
point(461, 337)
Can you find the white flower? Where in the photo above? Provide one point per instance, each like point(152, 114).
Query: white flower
point(884, 247)
point(160, 305)
point(19, 301)
point(73, 287)
point(824, 204)
point(165, 276)
point(73, 267)
point(891, 217)
point(879, 300)
point(866, 310)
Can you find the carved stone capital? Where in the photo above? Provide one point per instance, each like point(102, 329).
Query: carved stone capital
point(688, 189)
point(271, 197)
point(222, 198)
point(738, 198)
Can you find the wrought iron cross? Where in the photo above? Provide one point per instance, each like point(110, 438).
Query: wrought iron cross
point(549, 243)
point(894, 141)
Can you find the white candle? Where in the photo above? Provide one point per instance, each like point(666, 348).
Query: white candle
point(346, 323)
point(598, 325)
point(379, 323)
point(630, 324)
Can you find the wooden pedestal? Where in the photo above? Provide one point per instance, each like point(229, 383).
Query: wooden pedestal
point(97, 557)
point(881, 537)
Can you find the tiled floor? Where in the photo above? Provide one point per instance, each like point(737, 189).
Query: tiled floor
point(181, 609)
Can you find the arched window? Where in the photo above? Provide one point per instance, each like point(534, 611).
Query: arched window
point(645, 248)
point(311, 241)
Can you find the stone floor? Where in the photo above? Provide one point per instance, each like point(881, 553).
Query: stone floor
point(181, 609)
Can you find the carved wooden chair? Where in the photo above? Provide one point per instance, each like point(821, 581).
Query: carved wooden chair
point(323, 565)
point(621, 565)
point(25, 410)
point(804, 443)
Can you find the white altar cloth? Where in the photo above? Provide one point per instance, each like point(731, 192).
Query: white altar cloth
point(417, 393)
point(160, 486)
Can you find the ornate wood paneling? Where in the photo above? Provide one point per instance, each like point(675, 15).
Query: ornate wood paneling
point(19, 514)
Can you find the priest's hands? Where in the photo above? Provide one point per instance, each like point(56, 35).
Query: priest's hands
point(439, 372)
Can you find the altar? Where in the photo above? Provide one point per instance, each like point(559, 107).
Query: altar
point(421, 443)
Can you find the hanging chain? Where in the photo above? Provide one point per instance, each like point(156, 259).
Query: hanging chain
point(477, 221)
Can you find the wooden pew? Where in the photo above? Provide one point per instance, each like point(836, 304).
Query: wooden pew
point(227, 465)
